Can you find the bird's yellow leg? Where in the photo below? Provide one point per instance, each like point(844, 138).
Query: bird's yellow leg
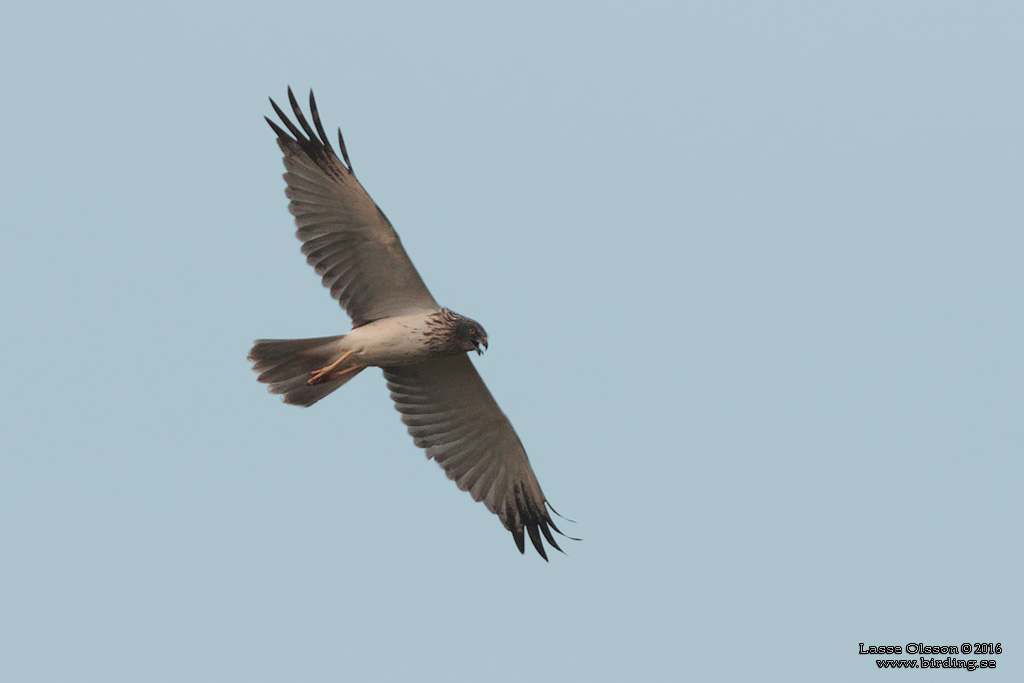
point(329, 372)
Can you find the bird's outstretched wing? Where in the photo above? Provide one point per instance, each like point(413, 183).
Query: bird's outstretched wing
point(345, 236)
point(451, 414)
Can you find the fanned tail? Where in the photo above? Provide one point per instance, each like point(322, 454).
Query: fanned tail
point(288, 364)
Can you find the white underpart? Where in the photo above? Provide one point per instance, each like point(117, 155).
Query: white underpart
point(390, 341)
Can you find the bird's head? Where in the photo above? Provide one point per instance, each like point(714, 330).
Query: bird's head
point(470, 335)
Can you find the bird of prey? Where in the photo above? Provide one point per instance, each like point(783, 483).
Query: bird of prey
point(397, 326)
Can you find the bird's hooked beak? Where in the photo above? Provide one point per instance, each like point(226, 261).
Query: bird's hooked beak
point(478, 343)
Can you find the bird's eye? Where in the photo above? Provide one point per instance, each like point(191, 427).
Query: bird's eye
point(473, 331)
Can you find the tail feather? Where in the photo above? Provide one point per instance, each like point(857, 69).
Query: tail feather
point(286, 365)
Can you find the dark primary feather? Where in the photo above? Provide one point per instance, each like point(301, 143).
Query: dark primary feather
point(316, 145)
point(346, 237)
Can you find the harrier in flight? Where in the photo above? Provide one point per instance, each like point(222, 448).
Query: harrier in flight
point(398, 327)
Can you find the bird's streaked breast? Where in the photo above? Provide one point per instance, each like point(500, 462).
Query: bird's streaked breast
point(400, 340)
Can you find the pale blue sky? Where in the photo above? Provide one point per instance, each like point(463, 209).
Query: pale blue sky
point(752, 274)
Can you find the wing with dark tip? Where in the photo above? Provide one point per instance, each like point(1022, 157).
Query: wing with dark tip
point(345, 236)
point(450, 413)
